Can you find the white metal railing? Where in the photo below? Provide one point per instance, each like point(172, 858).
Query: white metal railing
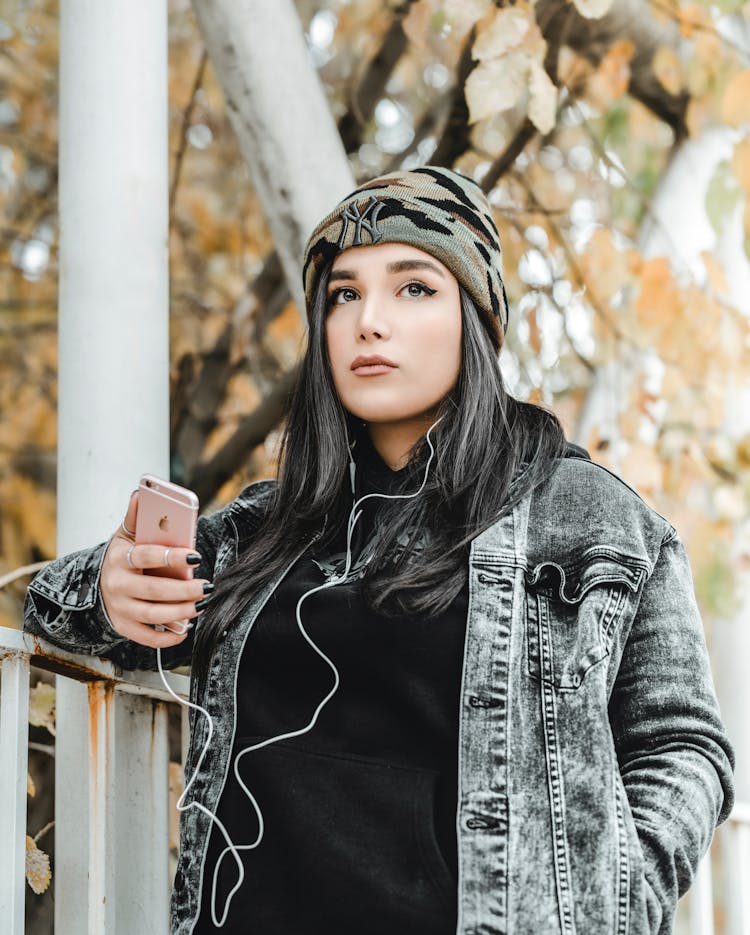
point(122, 802)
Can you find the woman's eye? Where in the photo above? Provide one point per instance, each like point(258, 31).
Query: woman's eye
point(423, 290)
point(334, 296)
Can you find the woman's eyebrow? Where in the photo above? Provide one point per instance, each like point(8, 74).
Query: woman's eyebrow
point(342, 274)
point(400, 265)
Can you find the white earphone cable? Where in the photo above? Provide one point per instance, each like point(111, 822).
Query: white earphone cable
point(181, 807)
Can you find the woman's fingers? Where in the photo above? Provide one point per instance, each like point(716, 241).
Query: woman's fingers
point(126, 529)
point(159, 556)
point(156, 639)
point(158, 588)
point(158, 613)
point(148, 608)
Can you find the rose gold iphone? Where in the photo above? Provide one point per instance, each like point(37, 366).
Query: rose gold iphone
point(167, 515)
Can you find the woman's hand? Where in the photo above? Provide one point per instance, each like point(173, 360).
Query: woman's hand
point(138, 604)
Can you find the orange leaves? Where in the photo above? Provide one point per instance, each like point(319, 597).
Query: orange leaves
point(741, 165)
point(611, 79)
point(659, 301)
point(668, 69)
point(735, 104)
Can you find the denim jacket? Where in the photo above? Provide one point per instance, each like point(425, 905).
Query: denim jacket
point(593, 762)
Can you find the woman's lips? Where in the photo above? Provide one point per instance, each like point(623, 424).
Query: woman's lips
point(372, 369)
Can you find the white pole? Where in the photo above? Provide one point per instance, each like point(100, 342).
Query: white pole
point(114, 290)
point(113, 413)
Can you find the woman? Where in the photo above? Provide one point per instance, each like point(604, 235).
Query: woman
point(455, 672)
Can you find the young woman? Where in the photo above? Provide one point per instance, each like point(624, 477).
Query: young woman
point(452, 677)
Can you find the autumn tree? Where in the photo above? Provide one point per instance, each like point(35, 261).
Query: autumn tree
point(577, 119)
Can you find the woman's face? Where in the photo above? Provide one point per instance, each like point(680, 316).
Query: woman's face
point(401, 303)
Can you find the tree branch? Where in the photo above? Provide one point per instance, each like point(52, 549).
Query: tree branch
point(252, 430)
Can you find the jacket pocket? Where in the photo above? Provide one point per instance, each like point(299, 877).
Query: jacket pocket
point(639, 910)
point(572, 610)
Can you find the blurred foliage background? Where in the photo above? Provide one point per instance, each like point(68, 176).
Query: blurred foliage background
point(573, 116)
point(569, 115)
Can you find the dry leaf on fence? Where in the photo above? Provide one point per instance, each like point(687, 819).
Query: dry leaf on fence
point(42, 706)
point(38, 873)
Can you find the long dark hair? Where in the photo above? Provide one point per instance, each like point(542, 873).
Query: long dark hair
point(490, 451)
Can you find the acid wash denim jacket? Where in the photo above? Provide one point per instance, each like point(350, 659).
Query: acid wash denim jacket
point(593, 762)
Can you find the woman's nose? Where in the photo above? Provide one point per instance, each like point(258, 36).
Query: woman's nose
point(372, 318)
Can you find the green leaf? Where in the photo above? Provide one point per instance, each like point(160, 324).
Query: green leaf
point(730, 6)
point(716, 588)
point(722, 196)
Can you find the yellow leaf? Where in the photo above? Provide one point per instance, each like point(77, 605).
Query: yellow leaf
point(38, 873)
point(606, 268)
point(715, 272)
point(741, 164)
point(496, 85)
point(505, 31)
point(735, 104)
point(700, 115)
point(659, 298)
point(593, 9)
point(612, 77)
point(692, 18)
point(535, 336)
point(30, 787)
point(743, 452)
point(42, 706)
point(543, 99)
point(642, 468)
point(668, 69)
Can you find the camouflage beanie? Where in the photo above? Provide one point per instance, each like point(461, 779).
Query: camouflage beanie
point(437, 210)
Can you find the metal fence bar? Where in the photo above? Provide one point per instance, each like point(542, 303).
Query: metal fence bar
point(102, 876)
point(735, 840)
point(14, 737)
point(702, 899)
point(113, 823)
point(120, 805)
point(141, 796)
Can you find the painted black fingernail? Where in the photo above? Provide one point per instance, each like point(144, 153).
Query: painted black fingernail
point(208, 587)
point(193, 559)
point(199, 605)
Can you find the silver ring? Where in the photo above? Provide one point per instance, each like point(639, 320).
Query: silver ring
point(166, 554)
point(129, 533)
point(128, 557)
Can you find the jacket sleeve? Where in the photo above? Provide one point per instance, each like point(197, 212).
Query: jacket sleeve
point(675, 757)
point(64, 605)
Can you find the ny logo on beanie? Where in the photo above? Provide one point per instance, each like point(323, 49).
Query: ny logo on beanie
point(352, 213)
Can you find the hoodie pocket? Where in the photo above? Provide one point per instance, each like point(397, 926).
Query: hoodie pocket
point(352, 837)
point(572, 610)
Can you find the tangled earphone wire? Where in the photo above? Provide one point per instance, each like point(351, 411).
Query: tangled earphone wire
point(331, 582)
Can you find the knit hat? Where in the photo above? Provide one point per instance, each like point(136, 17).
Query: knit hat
point(435, 209)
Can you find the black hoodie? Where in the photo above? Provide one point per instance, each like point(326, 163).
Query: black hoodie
point(359, 812)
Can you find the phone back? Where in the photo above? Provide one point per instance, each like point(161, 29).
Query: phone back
point(167, 515)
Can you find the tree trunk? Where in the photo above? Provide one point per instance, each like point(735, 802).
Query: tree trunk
point(282, 119)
